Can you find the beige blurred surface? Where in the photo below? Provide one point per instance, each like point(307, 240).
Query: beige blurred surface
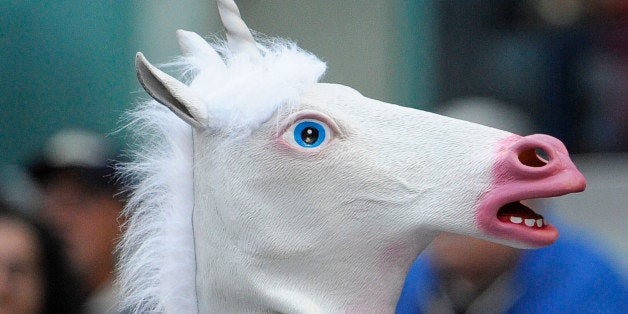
point(601, 209)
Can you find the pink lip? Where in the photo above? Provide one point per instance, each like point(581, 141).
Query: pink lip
point(519, 174)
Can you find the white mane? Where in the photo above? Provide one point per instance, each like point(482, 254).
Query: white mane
point(157, 261)
point(277, 79)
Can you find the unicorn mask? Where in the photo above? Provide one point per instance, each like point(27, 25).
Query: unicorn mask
point(261, 190)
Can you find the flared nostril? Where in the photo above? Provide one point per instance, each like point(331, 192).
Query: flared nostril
point(534, 157)
point(539, 158)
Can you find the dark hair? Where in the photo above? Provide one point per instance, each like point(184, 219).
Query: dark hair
point(97, 179)
point(63, 291)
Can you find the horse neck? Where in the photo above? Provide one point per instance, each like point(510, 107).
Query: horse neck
point(231, 281)
point(351, 278)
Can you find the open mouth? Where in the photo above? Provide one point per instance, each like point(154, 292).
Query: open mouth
point(515, 222)
point(519, 214)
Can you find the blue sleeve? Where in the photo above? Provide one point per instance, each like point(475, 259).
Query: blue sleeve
point(569, 277)
point(419, 285)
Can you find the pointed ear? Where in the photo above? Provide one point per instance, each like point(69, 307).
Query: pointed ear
point(200, 52)
point(167, 90)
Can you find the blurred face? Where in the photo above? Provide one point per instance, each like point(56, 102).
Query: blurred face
point(475, 260)
point(21, 278)
point(87, 223)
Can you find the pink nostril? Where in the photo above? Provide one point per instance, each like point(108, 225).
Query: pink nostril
point(534, 157)
point(540, 160)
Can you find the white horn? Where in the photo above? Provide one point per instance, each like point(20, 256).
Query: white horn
point(239, 36)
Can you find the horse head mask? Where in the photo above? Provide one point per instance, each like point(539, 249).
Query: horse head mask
point(259, 189)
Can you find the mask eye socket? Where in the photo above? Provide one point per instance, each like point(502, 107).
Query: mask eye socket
point(308, 134)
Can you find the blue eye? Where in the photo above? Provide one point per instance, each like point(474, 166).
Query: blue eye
point(309, 134)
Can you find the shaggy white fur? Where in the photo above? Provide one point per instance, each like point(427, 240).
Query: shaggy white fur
point(244, 92)
point(157, 262)
point(157, 251)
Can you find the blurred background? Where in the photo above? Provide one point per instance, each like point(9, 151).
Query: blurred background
point(562, 63)
point(70, 63)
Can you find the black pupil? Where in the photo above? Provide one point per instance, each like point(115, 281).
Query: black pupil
point(309, 135)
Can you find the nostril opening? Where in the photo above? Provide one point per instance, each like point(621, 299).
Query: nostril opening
point(534, 157)
point(542, 155)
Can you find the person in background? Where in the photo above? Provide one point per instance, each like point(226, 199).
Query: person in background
point(464, 275)
point(35, 277)
point(460, 274)
point(79, 202)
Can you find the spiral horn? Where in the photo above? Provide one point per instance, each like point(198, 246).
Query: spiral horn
point(239, 36)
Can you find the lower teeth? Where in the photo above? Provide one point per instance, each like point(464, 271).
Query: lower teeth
point(528, 222)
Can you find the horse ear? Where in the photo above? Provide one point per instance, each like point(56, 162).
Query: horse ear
point(167, 90)
point(199, 52)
